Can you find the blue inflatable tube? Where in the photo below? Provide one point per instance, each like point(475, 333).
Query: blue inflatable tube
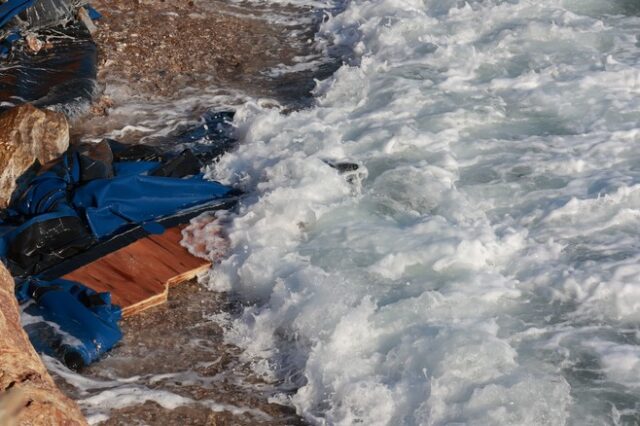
point(77, 325)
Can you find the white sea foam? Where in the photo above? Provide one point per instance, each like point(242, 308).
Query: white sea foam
point(140, 119)
point(486, 272)
point(98, 398)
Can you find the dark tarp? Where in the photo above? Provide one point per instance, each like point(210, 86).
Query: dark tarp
point(62, 77)
point(96, 199)
point(32, 15)
point(91, 202)
point(204, 142)
point(48, 13)
point(59, 217)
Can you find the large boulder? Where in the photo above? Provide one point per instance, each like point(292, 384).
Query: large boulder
point(28, 395)
point(28, 134)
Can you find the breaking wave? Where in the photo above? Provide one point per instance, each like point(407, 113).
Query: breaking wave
point(482, 265)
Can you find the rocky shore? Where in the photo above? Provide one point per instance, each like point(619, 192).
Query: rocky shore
point(157, 46)
point(156, 51)
point(28, 395)
point(166, 51)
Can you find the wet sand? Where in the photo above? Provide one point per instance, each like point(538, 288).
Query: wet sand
point(158, 49)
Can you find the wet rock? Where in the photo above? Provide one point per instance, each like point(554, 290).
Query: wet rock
point(28, 395)
point(28, 134)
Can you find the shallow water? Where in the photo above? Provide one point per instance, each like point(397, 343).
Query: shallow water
point(483, 266)
point(173, 366)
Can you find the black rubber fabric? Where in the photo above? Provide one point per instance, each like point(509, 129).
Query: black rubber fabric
point(102, 248)
point(47, 13)
point(62, 77)
point(123, 152)
point(185, 164)
point(46, 243)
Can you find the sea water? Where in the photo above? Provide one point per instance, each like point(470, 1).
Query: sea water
point(483, 267)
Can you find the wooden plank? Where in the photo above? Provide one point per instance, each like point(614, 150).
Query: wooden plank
point(139, 275)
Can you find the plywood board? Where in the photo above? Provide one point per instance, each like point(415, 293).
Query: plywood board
point(139, 275)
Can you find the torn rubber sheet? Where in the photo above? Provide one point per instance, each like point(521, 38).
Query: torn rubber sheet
point(32, 15)
point(94, 200)
point(61, 73)
point(100, 196)
point(61, 77)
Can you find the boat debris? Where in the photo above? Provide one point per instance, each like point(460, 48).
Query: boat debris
point(107, 217)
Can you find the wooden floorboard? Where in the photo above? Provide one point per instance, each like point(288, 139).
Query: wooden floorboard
point(138, 276)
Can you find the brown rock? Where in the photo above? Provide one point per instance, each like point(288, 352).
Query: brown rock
point(28, 134)
point(28, 395)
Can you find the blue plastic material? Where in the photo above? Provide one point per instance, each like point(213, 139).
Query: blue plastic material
point(216, 126)
point(78, 325)
point(45, 194)
point(11, 8)
point(111, 204)
point(93, 14)
point(77, 205)
point(7, 43)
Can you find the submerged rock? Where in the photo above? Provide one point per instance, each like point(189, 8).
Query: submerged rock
point(28, 134)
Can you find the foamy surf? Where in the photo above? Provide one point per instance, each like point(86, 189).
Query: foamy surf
point(486, 270)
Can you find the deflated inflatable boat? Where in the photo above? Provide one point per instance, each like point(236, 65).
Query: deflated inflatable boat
point(92, 201)
point(95, 199)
